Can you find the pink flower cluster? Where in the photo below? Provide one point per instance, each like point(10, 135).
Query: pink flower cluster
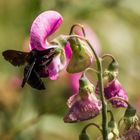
point(84, 104)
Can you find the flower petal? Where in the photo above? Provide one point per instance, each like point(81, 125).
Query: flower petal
point(54, 67)
point(82, 108)
point(43, 26)
point(114, 89)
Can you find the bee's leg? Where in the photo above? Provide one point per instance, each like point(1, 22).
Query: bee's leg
point(27, 72)
point(45, 63)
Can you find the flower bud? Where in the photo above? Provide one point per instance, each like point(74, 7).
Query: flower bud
point(84, 136)
point(130, 111)
point(85, 85)
point(112, 71)
point(82, 56)
point(112, 125)
point(131, 134)
point(130, 117)
point(114, 89)
point(113, 66)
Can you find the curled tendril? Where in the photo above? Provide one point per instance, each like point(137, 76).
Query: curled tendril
point(78, 25)
point(110, 56)
point(92, 69)
point(94, 124)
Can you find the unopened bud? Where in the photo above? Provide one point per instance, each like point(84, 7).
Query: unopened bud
point(84, 136)
point(82, 56)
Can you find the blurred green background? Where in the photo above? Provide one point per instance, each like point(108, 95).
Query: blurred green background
point(116, 23)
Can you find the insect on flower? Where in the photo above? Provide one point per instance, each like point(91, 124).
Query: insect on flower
point(36, 61)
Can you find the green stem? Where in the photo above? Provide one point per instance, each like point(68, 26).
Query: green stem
point(101, 88)
point(104, 104)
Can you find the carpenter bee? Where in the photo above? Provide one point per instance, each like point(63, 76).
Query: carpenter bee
point(36, 63)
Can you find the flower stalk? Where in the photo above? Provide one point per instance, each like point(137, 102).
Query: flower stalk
point(101, 89)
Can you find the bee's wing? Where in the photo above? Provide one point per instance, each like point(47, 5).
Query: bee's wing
point(16, 58)
point(34, 79)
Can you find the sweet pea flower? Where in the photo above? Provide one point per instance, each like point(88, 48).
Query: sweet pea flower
point(43, 27)
point(131, 134)
point(91, 36)
point(114, 89)
point(84, 105)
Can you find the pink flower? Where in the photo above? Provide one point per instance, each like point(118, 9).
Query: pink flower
point(44, 26)
point(83, 105)
point(114, 89)
point(131, 134)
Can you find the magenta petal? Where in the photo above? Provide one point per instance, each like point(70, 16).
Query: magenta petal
point(54, 67)
point(114, 89)
point(132, 134)
point(68, 51)
point(72, 100)
point(82, 108)
point(43, 26)
point(74, 81)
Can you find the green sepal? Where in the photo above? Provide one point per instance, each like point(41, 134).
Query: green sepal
point(113, 66)
point(61, 41)
point(130, 111)
point(82, 56)
point(84, 136)
point(112, 71)
point(130, 117)
point(85, 85)
point(130, 121)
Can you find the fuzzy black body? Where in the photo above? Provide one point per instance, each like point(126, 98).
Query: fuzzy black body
point(36, 63)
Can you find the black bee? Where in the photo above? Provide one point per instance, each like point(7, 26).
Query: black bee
point(37, 62)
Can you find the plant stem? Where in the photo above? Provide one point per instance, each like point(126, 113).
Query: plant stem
point(101, 88)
